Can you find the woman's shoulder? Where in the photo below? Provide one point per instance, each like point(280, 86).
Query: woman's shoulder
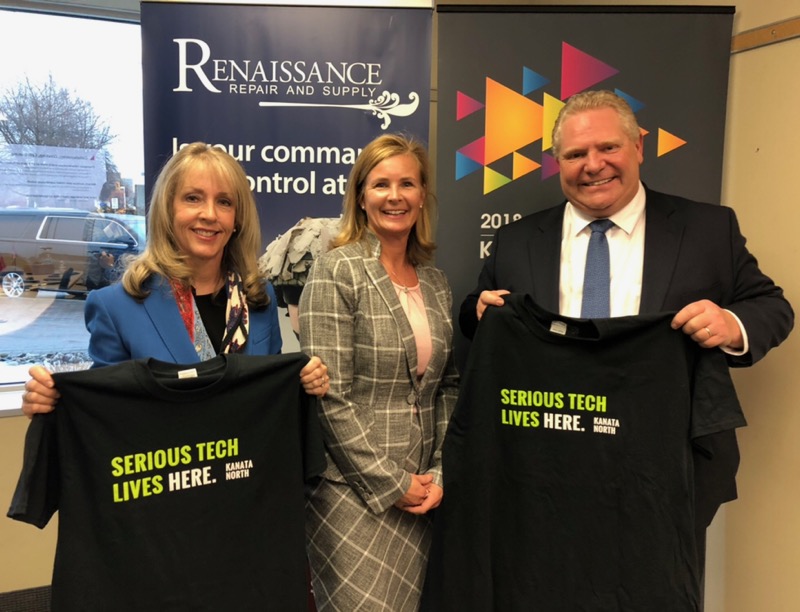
point(432, 274)
point(110, 293)
point(349, 256)
point(116, 293)
point(351, 250)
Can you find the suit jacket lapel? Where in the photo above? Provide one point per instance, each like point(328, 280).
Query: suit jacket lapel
point(163, 312)
point(663, 234)
point(544, 253)
point(386, 289)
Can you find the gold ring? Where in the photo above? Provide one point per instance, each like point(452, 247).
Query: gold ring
point(708, 331)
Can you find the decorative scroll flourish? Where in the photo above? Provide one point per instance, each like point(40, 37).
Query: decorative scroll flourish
point(385, 106)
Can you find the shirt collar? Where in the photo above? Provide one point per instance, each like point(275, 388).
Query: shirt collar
point(626, 218)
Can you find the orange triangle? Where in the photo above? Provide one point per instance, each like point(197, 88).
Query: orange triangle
point(668, 142)
point(512, 121)
point(523, 165)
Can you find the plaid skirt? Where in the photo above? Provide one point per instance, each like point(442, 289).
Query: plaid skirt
point(361, 560)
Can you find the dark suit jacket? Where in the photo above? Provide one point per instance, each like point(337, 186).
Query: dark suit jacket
point(123, 328)
point(692, 251)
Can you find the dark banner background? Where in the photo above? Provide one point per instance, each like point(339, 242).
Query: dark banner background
point(397, 42)
point(672, 63)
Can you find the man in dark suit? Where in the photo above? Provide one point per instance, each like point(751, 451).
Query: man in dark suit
point(666, 254)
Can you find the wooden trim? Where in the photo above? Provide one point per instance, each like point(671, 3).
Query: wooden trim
point(766, 35)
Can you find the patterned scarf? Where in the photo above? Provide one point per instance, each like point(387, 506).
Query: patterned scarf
point(237, 327)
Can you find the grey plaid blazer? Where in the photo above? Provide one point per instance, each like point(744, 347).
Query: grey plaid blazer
point(351, 318)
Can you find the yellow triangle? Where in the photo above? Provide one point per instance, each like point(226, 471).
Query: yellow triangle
point(523, 165)
point(493, 180)
point(552, 106)
point(668, 142)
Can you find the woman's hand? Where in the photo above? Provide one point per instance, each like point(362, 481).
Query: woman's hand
point(314, 377)
point(40, 394)
point(422, 495)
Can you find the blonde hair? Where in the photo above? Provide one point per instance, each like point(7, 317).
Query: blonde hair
point(162, 254)
point(595, 100)
point(420, 246)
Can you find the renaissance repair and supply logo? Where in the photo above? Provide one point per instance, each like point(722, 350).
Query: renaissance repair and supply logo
point(345, 85)
point(514, 121)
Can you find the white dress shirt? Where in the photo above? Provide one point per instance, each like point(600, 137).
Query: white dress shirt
point(626, 258)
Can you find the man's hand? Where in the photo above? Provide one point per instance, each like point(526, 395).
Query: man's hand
point(709, 325)
point(489, 298)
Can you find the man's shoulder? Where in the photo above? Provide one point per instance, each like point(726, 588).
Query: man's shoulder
point(542, 219)
point(669, 203)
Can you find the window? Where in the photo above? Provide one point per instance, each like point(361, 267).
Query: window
point(72, 196)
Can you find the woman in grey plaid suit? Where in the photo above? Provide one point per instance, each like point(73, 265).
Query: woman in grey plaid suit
point(380, 317)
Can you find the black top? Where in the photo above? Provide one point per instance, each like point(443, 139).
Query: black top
point(212, 307)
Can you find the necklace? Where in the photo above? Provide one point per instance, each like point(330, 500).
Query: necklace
point(396, 278)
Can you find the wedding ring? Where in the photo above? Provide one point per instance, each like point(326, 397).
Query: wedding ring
point(708, 331)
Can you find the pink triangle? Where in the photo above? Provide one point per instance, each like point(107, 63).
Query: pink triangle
point(475, 150)
point(549, 166)
point(580, 70)
point(466, 105)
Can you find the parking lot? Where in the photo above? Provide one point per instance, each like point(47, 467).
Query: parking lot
point(39, 330)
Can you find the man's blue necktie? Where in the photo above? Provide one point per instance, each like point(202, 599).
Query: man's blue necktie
point(596, 279)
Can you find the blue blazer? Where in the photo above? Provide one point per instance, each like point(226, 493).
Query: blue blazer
point(122, 327)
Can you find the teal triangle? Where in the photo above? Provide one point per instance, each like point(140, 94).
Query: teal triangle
point(465, 166)
point(531, 81)
point(636, 105)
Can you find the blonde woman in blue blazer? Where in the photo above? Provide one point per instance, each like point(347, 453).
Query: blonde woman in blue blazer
point(380, 317)
point(195, 291)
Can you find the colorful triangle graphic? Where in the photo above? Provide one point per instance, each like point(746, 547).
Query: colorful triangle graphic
point(580, 70)
point(552, 106)
point(493, 180)
point(465, 166)
point(512, 121)
point(549, 166)
point(465, 105)
point(636, 105)
point(668, 142)
point(475, 150)
point(522, 166)
point(531, 81)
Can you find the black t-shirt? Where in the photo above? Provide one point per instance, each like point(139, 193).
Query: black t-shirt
point(179, 487)
point(568, 465)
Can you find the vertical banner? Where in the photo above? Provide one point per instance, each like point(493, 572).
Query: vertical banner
point(503, 77)
point(293, 92)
